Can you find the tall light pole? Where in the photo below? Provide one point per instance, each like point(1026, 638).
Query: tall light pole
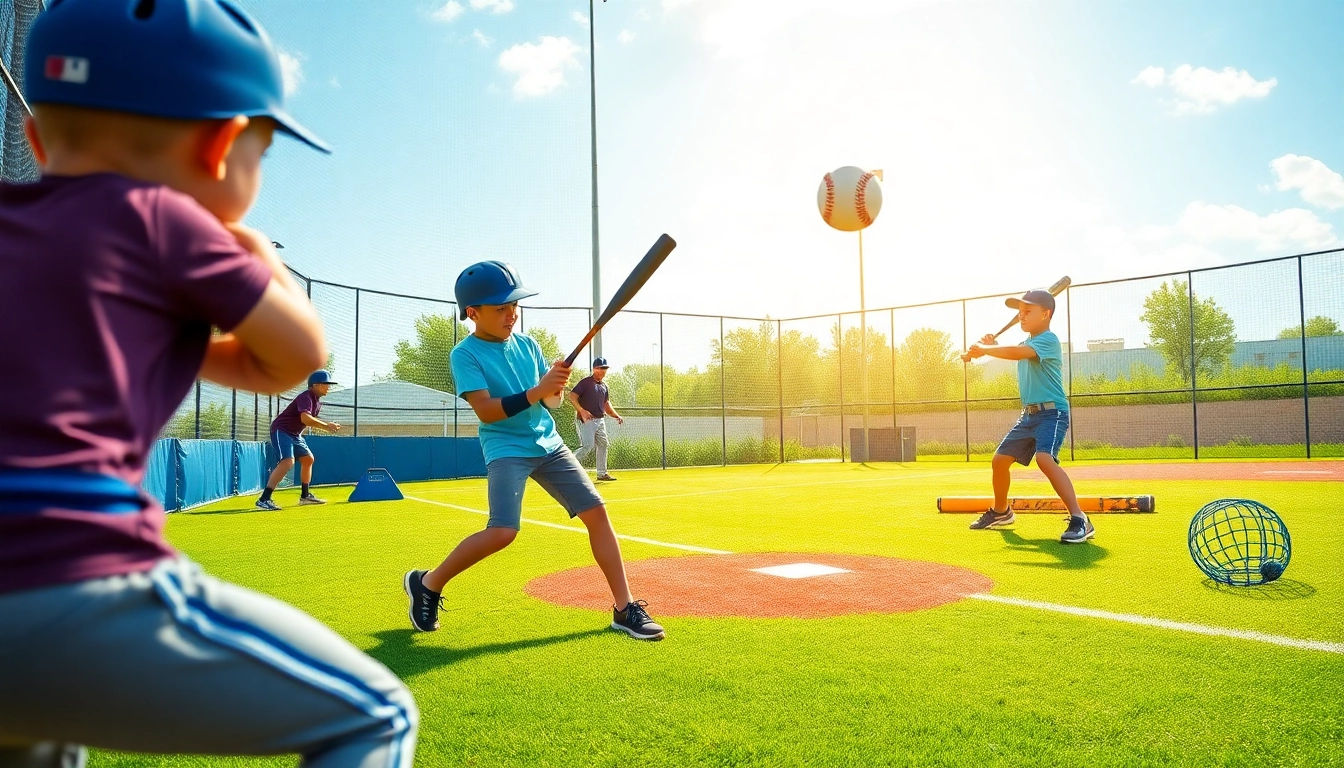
point(592, 101)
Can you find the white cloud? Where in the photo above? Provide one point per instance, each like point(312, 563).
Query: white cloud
point(540, 66)
point(481, 38)
point(626, 37)
point(291, 69)
point(1320, 186)
point(581, 18)
point(494, 6)
point(1202, 90)
point(1291, 229)
point(451, 10)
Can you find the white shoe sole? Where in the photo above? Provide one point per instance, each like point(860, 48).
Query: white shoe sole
point(307, 502)
point(635, 634)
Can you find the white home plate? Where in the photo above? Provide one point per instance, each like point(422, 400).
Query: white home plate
point(799, 570)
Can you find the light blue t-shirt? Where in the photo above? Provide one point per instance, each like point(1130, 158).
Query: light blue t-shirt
point(503, 368)
point(1042, 380)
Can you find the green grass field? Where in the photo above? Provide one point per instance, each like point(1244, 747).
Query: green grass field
point(513, 681)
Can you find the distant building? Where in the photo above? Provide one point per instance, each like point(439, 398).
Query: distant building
point(1105, 345)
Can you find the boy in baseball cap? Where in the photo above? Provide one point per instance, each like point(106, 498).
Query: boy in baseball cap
point(1040, 430)
point(150, 121)
point(287, 440)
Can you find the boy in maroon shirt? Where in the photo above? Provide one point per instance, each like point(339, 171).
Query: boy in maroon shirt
point(150, 122)
point(287, 440)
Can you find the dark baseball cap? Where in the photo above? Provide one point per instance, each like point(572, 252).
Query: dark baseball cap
point(1040, 298)
point(600, 362)
point(320, 377)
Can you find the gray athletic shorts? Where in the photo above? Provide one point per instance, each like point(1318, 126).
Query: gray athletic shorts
point(174, 661)
point(558, 472)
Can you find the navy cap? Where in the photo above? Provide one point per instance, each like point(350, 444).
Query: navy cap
point(187, 59)
point(320, 377)
point(1038, 297)
point(600, 362)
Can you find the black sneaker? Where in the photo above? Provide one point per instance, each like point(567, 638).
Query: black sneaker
point(1079, 530)
point(425, 603)
point(992, 519)
point(635, 622)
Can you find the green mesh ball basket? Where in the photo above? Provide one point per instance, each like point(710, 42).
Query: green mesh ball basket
point(1239, 542)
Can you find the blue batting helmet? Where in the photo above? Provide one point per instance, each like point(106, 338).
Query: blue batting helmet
point(186, 59)
point(319, 377)
point(488, 282)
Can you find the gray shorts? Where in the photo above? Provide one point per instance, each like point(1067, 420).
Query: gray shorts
point(558, 472)
point(174, 661)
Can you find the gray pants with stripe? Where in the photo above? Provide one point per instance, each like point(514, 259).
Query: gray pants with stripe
point(174, 661)
point(593, 436)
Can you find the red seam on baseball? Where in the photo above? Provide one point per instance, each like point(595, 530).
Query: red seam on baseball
point(860, 204)
point(830, 199)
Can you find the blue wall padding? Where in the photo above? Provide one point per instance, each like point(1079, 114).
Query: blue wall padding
point(187, 473)
point(252, 467)
point(207, 470)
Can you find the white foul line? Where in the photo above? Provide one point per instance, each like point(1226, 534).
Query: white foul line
point(1200, 629)
point(686, 547)
point(1128, 618)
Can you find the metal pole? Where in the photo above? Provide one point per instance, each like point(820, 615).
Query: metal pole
point(723, 395)
point(895, 429)
point(662, 394)
point(14, 88)
point(1306, 396)
point(198, 409)
point(1194, 396)
point(233, 416)
point(454, 386)
point(965, 386)
point(256, 407)
point(1068, 331)
point(863, 351)
point(592, 102)
point(840, 374)
point(779, 375)
point(356, 398)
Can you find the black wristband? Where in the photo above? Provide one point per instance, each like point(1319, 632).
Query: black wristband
point(515, 403)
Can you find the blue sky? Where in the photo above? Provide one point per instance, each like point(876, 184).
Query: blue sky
point(1020, 141)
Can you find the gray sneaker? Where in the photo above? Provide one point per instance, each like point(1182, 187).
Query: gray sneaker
point(268, 505)
point(634, 621)
point(992, 519)
point(311, 499)
point(606, 478)
point(1079, 531)
point(425, 603)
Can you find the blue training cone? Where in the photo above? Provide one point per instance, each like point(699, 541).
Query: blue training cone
point(376, 485)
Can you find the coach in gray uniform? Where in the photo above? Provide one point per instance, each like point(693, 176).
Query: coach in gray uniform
point(592, 403)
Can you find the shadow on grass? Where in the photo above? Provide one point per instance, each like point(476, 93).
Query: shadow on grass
point(1281, 589)
point(397, 649)
point(1070, 556)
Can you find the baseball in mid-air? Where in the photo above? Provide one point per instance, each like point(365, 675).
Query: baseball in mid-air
point(849, 198)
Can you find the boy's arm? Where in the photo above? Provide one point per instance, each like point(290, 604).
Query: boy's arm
point(988, 346)
point(279, 342)
point(492, 409)
point(312, 421)
point(612, 412)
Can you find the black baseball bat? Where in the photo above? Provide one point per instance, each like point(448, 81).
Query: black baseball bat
point(638, 277)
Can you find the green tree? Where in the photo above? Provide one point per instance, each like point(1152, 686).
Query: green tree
point(850, 364)
point(1167, 312)
point(425, 362)
point(1316, 326)
point(750, 360)
point(216, 423)
point(927, 367)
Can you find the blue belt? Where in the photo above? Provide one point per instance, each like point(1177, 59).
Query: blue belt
point(25, 491)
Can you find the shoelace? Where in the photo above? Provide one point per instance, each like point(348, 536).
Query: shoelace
point(1076, 525)
point(635, 613)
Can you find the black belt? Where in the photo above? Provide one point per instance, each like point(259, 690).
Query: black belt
point(1035, 408)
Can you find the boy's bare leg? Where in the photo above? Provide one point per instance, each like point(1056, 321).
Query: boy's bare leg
point(306, 470)
point(1003, 479)
point(278, 474)
point(469, 552)
point(1059, 480)
point(607, 553)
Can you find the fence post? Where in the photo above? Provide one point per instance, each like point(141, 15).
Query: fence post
point(256, 406)
point(662, 395)
point(895, 429)
point(1194, 367)
point(965, 387)
point(779, 376)
point(1068, 331)
point(198, 409)
point(840, 375)
point(1306, 390)
point(723, 395)
point(233, 415)
point(356, 398)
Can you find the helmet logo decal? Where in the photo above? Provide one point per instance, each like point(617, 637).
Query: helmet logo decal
point(67, 69)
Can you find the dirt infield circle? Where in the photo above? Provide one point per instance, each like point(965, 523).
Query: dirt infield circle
point(728, 585)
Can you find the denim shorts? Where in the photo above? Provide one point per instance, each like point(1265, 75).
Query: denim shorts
point(1040, 432)
point(558, 472)
point(287, 446)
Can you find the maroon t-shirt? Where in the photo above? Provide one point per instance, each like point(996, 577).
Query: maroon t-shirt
point(108, 289)
point(290, 420)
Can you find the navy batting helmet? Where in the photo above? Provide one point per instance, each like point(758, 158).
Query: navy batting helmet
point(488, 282)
